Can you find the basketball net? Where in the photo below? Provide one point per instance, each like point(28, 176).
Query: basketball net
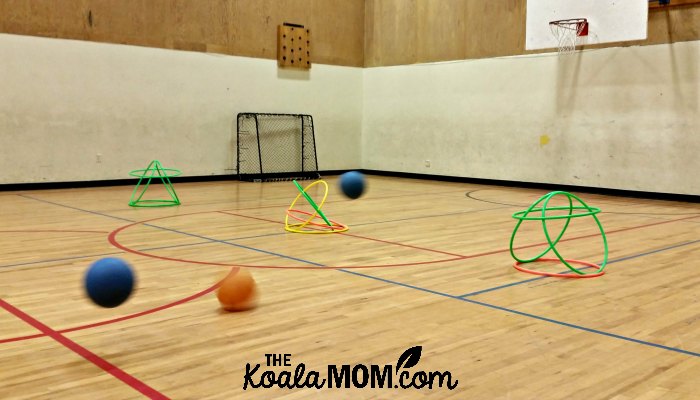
point(568, 33)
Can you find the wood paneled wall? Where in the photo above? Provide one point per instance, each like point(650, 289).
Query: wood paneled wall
point(345, 32)
point(238, 27)
point(442, 30)
point(415, 31)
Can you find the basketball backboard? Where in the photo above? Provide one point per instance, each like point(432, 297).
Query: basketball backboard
point(608, 20)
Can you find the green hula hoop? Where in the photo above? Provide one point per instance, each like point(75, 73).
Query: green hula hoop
point(587, 211)
point(311, 201)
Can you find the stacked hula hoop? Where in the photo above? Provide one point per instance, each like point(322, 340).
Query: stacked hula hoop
point(308, 222)
point(540, 213)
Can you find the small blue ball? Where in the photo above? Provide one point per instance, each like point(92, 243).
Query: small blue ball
point(109, 282)
point(352, 184)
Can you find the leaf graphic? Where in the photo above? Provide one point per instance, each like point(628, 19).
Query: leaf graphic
point(409, 358)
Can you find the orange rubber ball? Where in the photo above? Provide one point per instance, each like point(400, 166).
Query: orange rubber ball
point(238, 291)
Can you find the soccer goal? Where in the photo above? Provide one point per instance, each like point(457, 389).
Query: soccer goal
point(276, 147)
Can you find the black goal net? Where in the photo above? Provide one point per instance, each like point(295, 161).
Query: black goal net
point(276, 147)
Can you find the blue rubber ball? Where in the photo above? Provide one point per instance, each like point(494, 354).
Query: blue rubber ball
point(109, 282)
point(352, 184)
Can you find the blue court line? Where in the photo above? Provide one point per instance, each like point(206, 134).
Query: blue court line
point(524, 314)
point(470, 294)
point(429, 216)
point(121, 251)
point(655, 251)
point(52, 260)
point(255, 249)
point(478, 292)
point(74, 208)
point(492, 306)
point(180, 232)
point(206, 240)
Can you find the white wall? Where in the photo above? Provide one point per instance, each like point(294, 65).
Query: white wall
point(625, 118)
point(62, 102)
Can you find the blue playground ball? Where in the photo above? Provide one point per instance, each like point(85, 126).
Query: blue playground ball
point(109, 282)
point(352, 184)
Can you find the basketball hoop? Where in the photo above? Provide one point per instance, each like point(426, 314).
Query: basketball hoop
point(568, 33)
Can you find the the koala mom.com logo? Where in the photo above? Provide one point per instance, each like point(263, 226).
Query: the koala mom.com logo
point(401, 375)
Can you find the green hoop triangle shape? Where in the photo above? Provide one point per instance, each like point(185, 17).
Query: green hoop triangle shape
point(154, 170)
point(587, 211)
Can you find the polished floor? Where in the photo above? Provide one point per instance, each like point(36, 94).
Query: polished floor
point(418, 294)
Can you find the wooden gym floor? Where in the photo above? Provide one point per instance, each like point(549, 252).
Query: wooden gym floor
point(424, 264)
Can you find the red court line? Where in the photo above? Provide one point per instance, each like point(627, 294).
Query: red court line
point(614, 231)
point(49, 231)
point(112, 238)
point(340, 201)
point(357, 236)
point(404, 245)
point(85, 353)
point(142, 313)
point(119, 319)
point(462, 256)
point(209, 290)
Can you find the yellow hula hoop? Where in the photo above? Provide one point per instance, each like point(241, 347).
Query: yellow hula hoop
point(335, 227)
point(325, 195)
point(318, 228)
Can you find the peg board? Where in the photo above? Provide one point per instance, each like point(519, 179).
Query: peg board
point(293, 46)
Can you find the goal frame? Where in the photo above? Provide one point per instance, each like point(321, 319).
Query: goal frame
point(256, 171)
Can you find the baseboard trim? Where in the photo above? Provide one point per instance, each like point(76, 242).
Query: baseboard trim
point(445, 178)
point(544, 186)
